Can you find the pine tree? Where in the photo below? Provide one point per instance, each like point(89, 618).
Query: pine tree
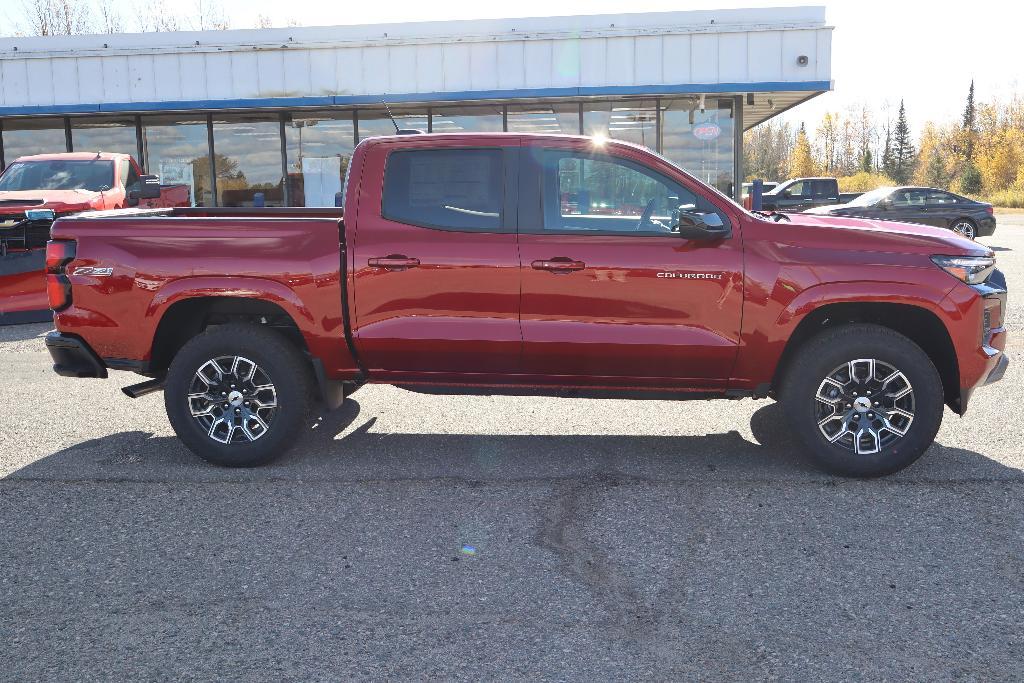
point(902, 153)
point(970, 179)
point(801, 162)
point(887, 161)
point(866, 162)
point(935, 170)
point(968, 125)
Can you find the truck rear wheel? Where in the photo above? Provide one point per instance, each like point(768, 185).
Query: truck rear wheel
point(863, 399)
point(237, 394)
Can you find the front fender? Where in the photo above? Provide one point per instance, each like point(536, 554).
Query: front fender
point(861, 291)
point(767, 331)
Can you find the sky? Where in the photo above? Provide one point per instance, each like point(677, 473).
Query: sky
point(925, 52)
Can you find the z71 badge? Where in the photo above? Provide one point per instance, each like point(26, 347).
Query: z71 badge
point(92, 270)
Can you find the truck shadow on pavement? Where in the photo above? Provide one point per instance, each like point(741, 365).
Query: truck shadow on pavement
point(338, 447)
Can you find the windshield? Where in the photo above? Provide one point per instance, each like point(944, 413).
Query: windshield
point(58, 174)
point(870, 198)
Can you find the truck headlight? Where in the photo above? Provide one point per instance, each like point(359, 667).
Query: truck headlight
point(972, 270)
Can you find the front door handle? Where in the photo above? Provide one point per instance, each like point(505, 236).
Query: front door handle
point(559, 264)
point(394, 262)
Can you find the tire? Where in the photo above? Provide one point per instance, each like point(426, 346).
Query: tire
point(276, 394)
point(965, 227)
point(875, 446)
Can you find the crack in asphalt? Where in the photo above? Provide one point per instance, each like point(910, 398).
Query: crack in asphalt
point(562, 531)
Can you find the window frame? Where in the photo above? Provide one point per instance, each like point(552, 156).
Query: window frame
point(533, 164)
point(910, 192)
point(509, 163)
point(951, 198)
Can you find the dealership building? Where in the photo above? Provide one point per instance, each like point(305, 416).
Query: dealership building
point(271, 116)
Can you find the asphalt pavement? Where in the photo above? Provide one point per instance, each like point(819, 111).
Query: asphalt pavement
point(411, 536)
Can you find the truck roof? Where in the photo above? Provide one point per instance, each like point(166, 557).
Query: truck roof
point(499, 134)
point(74, 156)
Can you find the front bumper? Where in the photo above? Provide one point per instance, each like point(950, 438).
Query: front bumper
point(72, 357)
point(981, 348)
point(999, 370)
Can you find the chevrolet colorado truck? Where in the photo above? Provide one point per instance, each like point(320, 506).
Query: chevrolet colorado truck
point(61, 185)
point(529, 264)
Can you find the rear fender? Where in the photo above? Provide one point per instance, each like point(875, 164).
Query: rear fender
point(235, 287)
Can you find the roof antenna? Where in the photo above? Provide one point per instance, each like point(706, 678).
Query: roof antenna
point(399, 131)
point(392, 117)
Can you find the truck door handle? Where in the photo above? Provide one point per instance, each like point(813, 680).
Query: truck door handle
point(394, 262)
point(559, 264)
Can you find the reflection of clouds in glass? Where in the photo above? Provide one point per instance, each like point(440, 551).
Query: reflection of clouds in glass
point(471, 119)
point(170, 144)
point(254, 146)
point(38, 136)
point(104, 135)
point(373, 122)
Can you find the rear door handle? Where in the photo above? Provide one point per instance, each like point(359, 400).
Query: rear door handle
point(559, 264)
point(393, 262)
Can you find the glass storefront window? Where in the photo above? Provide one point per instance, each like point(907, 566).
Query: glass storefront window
point(632, 121)
point(247, 158)
point(319, 148)
point(23, 137)
point(373, 122)
point(702, 142)
point(177, 150)
point(467, 119)
point(541, 118)
point(104, 134)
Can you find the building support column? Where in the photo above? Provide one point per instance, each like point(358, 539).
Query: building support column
point(213, 159)
point(737, 148)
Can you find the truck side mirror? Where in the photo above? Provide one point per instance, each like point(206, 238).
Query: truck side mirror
point(694, 225)
point(149, 187)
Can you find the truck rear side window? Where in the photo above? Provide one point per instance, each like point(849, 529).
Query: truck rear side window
point(449, 189)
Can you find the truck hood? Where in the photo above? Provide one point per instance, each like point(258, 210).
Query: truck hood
point(61, 201)
point(888, 236)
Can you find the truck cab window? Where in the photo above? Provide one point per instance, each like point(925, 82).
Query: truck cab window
point(586, 192)
point(448, 189)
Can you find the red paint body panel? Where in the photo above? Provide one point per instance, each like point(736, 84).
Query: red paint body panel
point(444, 307)
point(620, 316)
point(160, 261)
point(457, 311)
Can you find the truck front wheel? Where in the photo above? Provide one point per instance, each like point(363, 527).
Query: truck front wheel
point(237, 394)
point(863, 399)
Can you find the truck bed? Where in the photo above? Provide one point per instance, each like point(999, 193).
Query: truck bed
point(165, 257)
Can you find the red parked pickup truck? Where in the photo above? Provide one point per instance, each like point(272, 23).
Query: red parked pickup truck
point(504, 263)
point(62, 184)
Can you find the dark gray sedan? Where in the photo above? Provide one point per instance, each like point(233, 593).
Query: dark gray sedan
point(920, 205)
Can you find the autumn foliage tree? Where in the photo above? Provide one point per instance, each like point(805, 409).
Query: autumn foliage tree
point(801, 162)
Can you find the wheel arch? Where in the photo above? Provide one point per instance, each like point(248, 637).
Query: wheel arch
point(189, 316)
point(919, 324)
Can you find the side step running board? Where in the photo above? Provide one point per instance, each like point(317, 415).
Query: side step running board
point(143, 388)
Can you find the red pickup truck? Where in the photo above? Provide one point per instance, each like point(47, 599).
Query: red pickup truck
point(504, 263)
point(63, 184)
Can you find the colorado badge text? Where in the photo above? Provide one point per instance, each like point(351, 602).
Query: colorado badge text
point(692, 276)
